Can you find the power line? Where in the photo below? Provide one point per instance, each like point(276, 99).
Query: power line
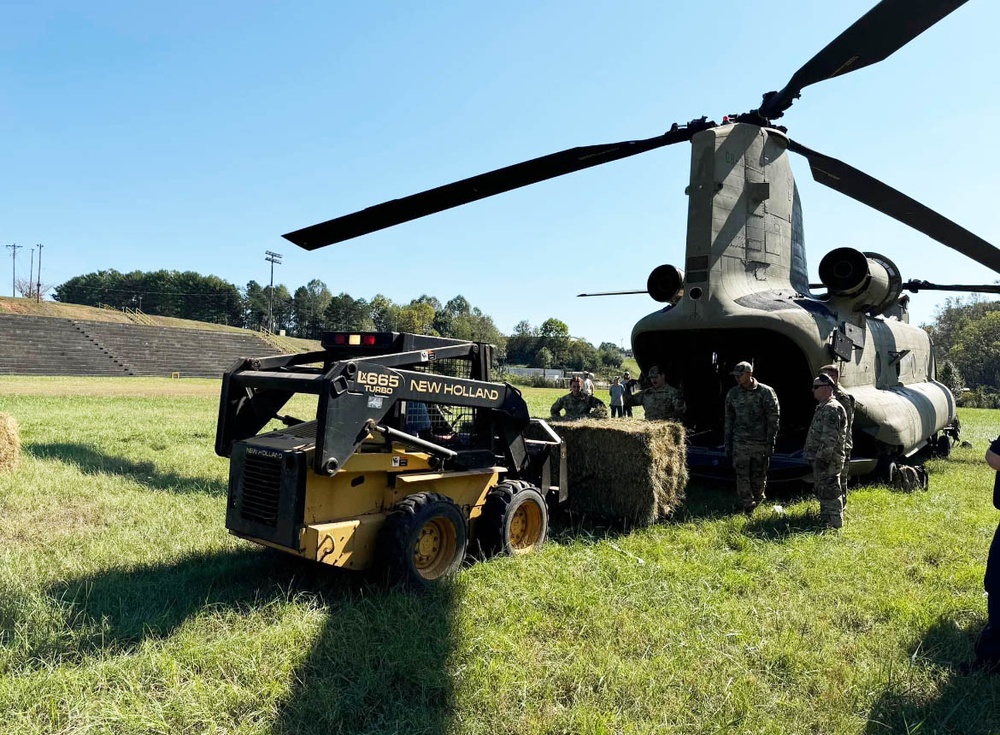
point(13, 256)
point(38, 286)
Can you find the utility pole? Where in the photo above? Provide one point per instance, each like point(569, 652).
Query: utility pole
point(38, 287)
point(31, 273)
point(13, 256)
point(271, 258)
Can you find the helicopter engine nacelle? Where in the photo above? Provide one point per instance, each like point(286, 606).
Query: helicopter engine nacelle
point(867, 282)
point(664, 283)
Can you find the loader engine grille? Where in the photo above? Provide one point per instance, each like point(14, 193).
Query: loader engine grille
point(261, 489)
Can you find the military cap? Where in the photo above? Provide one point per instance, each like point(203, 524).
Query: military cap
point(742, 368)
point(824, 379)
point(653, 371)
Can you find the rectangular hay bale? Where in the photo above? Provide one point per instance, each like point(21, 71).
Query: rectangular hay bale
point(625, 469)
point(10, 442)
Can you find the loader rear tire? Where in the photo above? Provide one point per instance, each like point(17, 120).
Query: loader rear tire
point(514, 521)
point(423, 539)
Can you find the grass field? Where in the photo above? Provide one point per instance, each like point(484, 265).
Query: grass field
point(126, 608)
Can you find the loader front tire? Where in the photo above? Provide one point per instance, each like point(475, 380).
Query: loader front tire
point(514, 521)
point(423, 539)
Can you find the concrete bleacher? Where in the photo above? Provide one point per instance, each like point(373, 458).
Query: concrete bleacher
point(33, 345)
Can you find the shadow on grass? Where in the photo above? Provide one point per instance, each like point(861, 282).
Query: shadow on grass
point(778, 527)
point(961, 704)
point(93, 462)
point(703, 502)
point(378, 665)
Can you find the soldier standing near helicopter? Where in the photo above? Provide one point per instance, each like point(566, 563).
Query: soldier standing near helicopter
point(660, 402)
point(824, 448)
point(752, 413)
point(847, 402)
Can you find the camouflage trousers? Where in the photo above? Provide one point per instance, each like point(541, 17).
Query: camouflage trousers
point(750, 463)
point(829, 489)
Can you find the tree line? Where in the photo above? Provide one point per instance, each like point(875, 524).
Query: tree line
point(966, 334)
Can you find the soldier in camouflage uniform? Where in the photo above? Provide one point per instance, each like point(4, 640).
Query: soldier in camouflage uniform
point(660, 402)
point(847, 402)
point(825, 449)
point(752, 413)
point(578, 405)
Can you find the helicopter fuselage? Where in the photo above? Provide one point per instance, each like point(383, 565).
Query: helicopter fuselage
point(746, 296)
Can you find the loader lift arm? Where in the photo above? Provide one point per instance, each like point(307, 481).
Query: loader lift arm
point(358, 382)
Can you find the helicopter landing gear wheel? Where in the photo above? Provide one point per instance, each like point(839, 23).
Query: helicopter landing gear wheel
point(424, 539)
point(942, 446)
point(515, 519)
point(885, 467)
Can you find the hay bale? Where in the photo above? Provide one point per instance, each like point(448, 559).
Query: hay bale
point(635, 471)
point(10, 443)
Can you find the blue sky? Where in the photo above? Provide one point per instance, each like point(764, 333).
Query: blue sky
point(190, 136)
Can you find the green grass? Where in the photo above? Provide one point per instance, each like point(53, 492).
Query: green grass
point(126, 608)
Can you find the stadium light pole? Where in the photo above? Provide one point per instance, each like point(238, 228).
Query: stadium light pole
point(271, 258)
point(13, 278)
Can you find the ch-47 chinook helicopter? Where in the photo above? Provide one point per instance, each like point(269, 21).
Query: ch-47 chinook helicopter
point(743, 292)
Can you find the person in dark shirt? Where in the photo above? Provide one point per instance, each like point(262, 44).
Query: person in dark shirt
point(988, 645)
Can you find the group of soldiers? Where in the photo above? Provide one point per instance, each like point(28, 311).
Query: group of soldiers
point(752, 413)
point(661, 402)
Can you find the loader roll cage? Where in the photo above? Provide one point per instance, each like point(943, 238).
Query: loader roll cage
point(363, 380)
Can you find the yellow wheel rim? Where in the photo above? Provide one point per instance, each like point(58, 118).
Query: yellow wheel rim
point(525, 527)
point(435, 548)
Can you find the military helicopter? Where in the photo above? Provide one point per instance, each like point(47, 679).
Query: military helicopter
point(743, 292)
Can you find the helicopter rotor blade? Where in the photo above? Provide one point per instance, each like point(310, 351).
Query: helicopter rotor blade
point(398, 211)
point(878, 34)
point(868, 190)
point(917, 286)
point(612, 293)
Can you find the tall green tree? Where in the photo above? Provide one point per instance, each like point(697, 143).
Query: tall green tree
point(309, 306)
point(384, 313)
point(254, 305)
point(417, 317)
point(976, 352)
point(952, 316)
point(283, 309)
point(347, 314)
point(523, 344)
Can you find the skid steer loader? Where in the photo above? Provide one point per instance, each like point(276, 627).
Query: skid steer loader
point(414, 456)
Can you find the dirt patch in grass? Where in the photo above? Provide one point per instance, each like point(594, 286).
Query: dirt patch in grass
point(36, 523)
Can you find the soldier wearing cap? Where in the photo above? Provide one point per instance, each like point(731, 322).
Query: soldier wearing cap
point(577, 405)
point(824, 448)
point(752, 413)
point(847, 402)
point(660, 402)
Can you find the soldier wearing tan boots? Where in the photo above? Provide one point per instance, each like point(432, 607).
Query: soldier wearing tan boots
point(824, 448)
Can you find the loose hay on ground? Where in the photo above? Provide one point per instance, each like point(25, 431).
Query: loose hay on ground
point(10, 442)
point(630, 470)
